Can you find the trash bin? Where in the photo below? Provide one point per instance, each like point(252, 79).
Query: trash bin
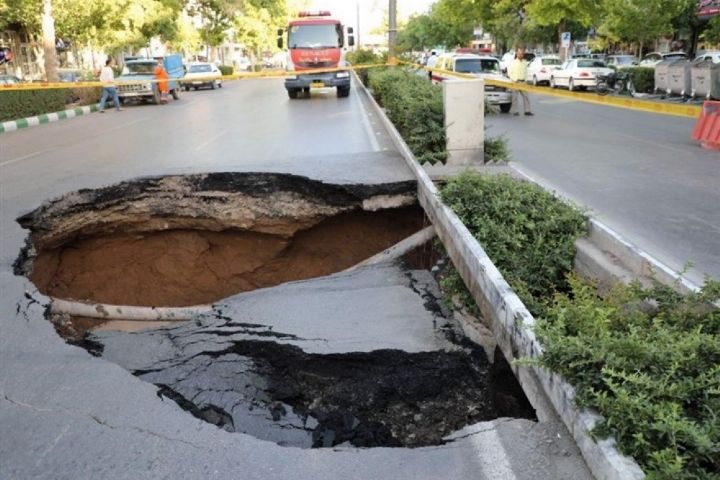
point(705, 80)
point(678, 78)
point(661, 75)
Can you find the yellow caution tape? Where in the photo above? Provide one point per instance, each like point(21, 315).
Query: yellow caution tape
point(232, 77)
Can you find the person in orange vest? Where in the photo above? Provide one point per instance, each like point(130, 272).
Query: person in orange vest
point(162, 78)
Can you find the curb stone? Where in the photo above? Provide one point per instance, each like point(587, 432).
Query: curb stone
point(13, 125)
point(512, 324)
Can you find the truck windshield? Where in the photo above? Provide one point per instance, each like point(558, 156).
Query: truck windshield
point(315, 36)
point(140, 68)
point(472, 65)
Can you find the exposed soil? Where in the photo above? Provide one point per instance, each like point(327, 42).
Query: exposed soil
point(189, 267)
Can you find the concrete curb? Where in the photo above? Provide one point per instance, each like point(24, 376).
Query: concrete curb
point(13, 125)
point(512, 324)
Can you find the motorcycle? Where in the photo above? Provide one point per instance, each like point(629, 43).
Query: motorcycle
point(615, 82)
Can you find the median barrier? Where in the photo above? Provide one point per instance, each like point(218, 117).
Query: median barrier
point(707, 128)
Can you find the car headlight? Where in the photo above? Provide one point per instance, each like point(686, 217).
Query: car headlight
point(342, 74)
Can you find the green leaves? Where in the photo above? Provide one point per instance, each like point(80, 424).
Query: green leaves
point(648, 360)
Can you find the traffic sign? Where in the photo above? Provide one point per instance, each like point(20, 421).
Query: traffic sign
point(565, 39)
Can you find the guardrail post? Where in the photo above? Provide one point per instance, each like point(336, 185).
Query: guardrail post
point(464, 105)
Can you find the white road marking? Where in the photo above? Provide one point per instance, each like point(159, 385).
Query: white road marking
point(29, 155)
point(494, 463)
point(210, 140)
point(365, 120)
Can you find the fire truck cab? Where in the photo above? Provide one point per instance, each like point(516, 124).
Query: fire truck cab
point(316, 42)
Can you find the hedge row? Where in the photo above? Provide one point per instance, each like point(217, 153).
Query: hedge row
point(647, 359)
point(415, 106)
point(15, 104)
point(643, 79)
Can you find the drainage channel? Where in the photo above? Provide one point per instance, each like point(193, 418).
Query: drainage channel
point(257, 363)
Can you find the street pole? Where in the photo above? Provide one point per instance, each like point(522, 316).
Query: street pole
point(392, 32)
point(357, 29)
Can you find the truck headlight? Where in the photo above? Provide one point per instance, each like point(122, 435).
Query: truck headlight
point(342, 74)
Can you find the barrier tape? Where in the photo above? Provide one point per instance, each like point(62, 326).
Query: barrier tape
point(664, 108)
point(235, 76)
point(649, 106)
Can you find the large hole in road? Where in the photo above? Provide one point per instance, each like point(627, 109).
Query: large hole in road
point(187, 240)
point(179, 241)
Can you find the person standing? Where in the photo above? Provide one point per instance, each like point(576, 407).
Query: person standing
point(431, 61)
point(162, 78)
point(518, 73)
point(107, 77)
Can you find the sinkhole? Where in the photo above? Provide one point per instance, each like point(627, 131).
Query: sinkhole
point(177, 241)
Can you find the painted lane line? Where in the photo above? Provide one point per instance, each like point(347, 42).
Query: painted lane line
point(375, 145)
point(210, 140)
point(29, 155)
point(491, 455)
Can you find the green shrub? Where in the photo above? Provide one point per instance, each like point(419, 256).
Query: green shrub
point(15, 104)
point(85, 96)
point(415, 106)
point(652, 369)
point(365, 57)
point(643, 79)
point(226, 69)
point(528, 233)
point(496, 149)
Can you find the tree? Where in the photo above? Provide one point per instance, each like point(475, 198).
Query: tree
point(48, 34)
point(560, 13)
point(638, 21)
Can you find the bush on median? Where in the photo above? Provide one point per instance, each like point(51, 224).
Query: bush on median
point(415, 107)
point(226, 69)
point(16, 104)
point(643, 79)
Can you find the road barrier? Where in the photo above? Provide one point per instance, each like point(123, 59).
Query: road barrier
point(707, 128)
point(648, 106)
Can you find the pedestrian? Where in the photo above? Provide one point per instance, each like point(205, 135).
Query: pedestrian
point(162, 78)
point(518, 73)
point(431, 61)
point(107, 77)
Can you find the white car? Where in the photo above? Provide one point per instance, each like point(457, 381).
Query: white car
point(506, 60)
point(541, 68)
point(244, 65)
point(482, 66)
point(578, 73)
point(202, 75)
point(621, 61)
point(653, 58)
point(712, 56)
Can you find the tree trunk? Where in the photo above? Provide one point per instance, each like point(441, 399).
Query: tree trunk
point(48, 31)
point(564, 52)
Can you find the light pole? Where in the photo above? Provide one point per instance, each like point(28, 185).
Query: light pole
point(357, 27)
point(392, 31)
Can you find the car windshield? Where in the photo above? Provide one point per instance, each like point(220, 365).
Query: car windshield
point(200, 68)
point(675, 55)
point(477, 65)
point(591, 64)
point(624, 60)
point(315, 36)
point(142, 68)
point(551, 61)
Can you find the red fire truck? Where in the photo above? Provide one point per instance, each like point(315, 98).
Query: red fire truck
point(315, 41)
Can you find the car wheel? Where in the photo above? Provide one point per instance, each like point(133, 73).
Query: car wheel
point(343, 92)
point(175, 93)
point(212, 85)
point(505, 107)
point(552, 82)
point(571, 85)
point(293, 93)
point(195, 88)
point(219, 84)
point(187, 88)
point(535, 82)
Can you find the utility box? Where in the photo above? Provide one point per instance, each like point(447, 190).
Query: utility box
point(678, 80)
point(464, 106)
point(705, 80)
point(661, 75)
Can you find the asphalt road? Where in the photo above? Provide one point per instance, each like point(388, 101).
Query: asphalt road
point(639, 173)
point(65, 414)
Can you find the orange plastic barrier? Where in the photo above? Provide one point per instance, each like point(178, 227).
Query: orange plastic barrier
point(707, 129)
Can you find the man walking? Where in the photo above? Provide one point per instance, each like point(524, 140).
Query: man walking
point(518, 73)
point(107, 77)
point(431, 62)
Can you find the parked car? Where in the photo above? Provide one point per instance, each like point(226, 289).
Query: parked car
point(541, 68)
point(653, 58)
point(70, 75)
point(712, 56)
point(621, 61)
point(578, 73)
point(482, 66)
point(9, 80)
point(244, 65)
point(202, 75)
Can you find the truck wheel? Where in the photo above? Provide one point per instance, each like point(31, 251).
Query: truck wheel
point(156, 97)
point(212, 85)
point(292, 93)
point(176, 94)
point(187, 88)
point(343, 92)
point(505, 107)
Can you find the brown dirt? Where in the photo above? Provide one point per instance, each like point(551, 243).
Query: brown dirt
point(189, 267)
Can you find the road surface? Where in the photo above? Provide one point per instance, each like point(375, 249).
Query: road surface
point(65, 414)
point(639, 173)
